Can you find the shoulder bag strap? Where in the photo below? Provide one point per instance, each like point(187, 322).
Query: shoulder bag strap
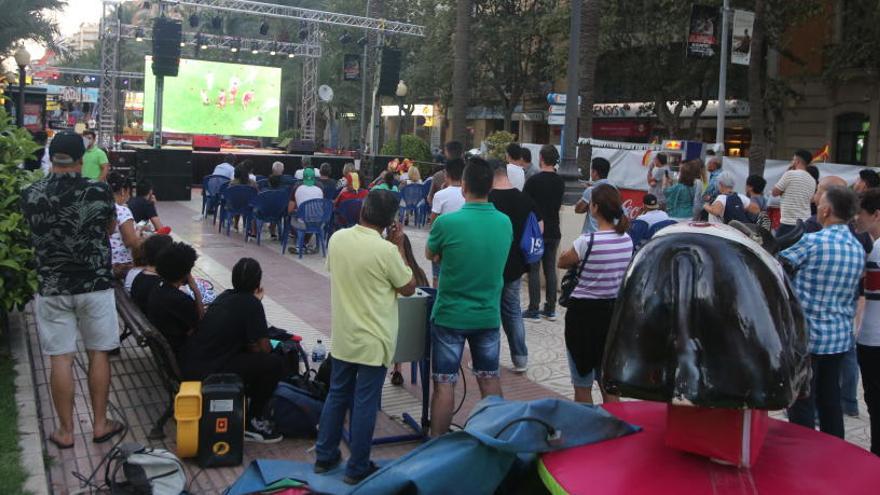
point(586, 254)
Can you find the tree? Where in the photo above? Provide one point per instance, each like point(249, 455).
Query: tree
point(26, 21)
point(757, 71)
point(461, 73)
point(589, 47)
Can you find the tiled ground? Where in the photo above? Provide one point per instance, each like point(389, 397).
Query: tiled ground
point(297, 299)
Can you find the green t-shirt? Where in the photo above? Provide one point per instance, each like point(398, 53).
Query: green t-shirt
point(92, 161)
point(384, 187)
point(473, 244)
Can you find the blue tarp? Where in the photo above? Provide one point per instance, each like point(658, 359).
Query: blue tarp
point(471, 461)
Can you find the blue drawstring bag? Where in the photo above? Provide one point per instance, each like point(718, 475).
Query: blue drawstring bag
point(532, 242)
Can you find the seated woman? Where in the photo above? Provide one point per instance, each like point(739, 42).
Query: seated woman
point(233, 338)
point(142, 279)
point(125, 237)
point(352, 189)
point(171, 311)
point(388, 183)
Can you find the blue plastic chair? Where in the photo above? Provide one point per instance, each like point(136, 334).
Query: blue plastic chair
point(288, 180)
point(315, 214)
point(258, 178)
point(348, 213)
point(271, 207)
point(237, 200)
point(413, 196)
point(263, 184)
point(211, 198)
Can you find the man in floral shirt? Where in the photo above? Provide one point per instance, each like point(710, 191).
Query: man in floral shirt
point(70, 218)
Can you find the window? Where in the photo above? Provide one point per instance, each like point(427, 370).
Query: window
point(852, 138)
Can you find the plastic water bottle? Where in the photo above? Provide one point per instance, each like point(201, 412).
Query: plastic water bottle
point(319, 353)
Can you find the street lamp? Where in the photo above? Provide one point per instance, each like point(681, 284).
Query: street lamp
point(401, 94)
point(22, 59)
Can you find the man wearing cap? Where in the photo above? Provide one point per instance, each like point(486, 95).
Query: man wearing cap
point(797, 188)
point(652, 213)
point(71, 218)
point(306, 191)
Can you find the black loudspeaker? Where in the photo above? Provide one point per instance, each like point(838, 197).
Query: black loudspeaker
point(167, 35)
point(389, 75)
point(169, 170)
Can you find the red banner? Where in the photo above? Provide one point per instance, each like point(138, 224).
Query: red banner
point(621, 129)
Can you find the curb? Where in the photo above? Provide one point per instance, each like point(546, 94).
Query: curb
point(30, 438)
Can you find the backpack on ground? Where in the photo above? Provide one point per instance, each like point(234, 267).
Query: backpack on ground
point(532, 241)
point(298, 401)
point(734, 209)
point(133, 469)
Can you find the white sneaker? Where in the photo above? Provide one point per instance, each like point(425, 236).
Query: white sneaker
point(261, 431)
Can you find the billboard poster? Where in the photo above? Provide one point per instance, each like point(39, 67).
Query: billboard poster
point(703, 31)
point(741, 47)
point(351, 67)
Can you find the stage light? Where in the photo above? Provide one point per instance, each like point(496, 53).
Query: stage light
point(217, 23)
point(362, 42)
point(182, 44)
point(201, 42)
point(264, 28)
point(345, 38)
point(274, 49)
point(289, 55)
point(139, 34)
point(255, 48)
point(194, 20)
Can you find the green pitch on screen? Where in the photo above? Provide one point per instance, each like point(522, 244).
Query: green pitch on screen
point(216, 98)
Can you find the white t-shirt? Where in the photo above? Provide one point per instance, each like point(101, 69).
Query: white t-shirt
point(119, 252)
point(225, 170)
point(654, 216)
point(798, 188)
point(870, 330)
point(516, 175)
point(722, 198)
point(447, 200)
point(129, 277)
point(304, 193)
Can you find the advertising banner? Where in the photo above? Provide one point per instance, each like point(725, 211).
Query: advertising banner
point(703, 32)
point(351, 67)
point(743, 27)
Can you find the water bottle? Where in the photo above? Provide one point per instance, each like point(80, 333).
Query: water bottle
point(319, 353)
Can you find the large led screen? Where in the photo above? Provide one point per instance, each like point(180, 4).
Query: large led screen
point(216, 98)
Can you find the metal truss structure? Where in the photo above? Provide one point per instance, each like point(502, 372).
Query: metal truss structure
point(112, 31)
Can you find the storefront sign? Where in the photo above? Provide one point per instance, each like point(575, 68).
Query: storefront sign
point(134, 100)
point(702, 35)
point(621, 129)
point(743, 27)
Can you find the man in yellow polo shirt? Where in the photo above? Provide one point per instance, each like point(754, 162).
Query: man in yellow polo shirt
point(95, 162)
point(367, 273)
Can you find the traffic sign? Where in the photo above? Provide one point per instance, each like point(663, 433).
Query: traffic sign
point(559, 99)
point(556, 120)
point(557, 109)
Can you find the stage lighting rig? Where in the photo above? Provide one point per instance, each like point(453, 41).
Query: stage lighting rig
point(217, 23)
point(255, 48)
point(345, 38)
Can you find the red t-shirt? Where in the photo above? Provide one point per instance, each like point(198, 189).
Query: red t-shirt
point(347, 194)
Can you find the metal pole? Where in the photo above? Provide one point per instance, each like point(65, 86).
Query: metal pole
point(399, 125)
point(572, 108)
point(19, 109)
point(157, 112)
point(362, 137)
point(722, 76)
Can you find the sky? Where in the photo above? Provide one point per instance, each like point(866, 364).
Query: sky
point(69, 19)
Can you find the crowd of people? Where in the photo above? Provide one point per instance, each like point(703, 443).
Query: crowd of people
point(88, 233)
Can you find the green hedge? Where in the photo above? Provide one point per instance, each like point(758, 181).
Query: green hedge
point(411, 147)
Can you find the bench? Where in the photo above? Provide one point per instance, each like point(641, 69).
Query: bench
point(136, 324)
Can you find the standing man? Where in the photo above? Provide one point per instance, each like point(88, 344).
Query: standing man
point(472, 246)
point(599, 169)
point(448, 200)
point(796, 187)
point(517, 206)
point(868, 347)
point(529, 168)
point(515, 172)
point(367, 273)
point(453, 150)
point(546, 188)
point(829, 267)
point(868, 179)
point(71, 218)
point(95, 162)
point(714, 168)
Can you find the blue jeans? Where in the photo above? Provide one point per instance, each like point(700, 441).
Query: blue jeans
point(849, 383)
point(512, 322)
point(447, 345)
point(358, 387)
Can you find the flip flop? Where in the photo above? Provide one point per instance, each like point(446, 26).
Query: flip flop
point(110, 434)
point(59, 445)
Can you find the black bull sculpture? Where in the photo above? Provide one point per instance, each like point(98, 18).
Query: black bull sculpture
point(706, 316)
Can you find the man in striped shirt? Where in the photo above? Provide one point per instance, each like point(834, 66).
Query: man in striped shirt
point(796, 187)
point(868, 345)
point(829, 267)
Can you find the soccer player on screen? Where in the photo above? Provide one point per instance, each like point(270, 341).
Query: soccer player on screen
point(233, 90)
point(205, 100)
point(221, 99)
point(247, 98)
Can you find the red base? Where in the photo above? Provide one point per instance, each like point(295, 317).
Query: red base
point(730, 436)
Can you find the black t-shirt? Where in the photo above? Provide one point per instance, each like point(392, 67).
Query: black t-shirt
point(517, 207)
point(174, 314)
point(141, 209)
point(233, 321)
point(547, 189)
point(141, 288)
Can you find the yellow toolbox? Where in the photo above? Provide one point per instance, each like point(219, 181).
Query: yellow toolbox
point(187, 413)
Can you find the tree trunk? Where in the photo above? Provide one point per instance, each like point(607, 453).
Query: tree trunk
point(589, 48)
point(460, 71)
point(757, 74)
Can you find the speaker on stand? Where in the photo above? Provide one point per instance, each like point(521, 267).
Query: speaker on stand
point(389, 74)
point(167, 35)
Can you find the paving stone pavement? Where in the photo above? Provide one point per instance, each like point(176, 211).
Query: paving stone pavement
point(297, 299)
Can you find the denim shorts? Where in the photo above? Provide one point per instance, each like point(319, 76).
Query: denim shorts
point(447, 345)
point(578, 380)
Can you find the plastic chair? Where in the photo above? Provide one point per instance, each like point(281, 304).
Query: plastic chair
point(270, 207)
point(315, 214)
point(211, 198)
point(237, 200)
point(263, 184)
point(288, 180)
point(413, 196)
point(258, 178)
point(348, 213)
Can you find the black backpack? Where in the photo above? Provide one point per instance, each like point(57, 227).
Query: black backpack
point(734, 209)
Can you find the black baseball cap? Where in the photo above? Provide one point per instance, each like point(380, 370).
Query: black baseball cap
point(650, 202)
point(66, 148)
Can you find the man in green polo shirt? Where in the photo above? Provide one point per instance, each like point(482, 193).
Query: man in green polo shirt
point(95, 162)
point(471, 246)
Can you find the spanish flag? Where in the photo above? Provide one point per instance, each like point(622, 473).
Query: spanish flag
point(646, 158)
point(823, 154)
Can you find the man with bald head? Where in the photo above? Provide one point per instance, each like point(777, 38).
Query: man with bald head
point(812, 225)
